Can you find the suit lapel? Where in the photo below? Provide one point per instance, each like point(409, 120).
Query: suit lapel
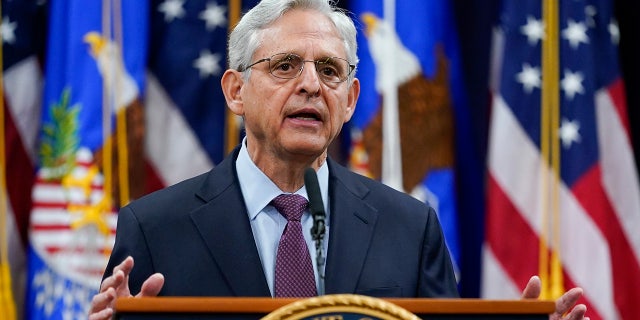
point(352, 225)
point(224, 226)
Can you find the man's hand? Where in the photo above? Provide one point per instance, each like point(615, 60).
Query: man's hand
point(117, 285)
point(563, 304)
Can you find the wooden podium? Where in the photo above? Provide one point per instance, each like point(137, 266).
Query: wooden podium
point(256, 308)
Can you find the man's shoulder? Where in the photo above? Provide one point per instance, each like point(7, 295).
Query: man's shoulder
point(175, 194)
point(192, 189)
point(370, 189)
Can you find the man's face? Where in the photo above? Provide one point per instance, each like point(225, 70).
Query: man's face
point(296, 119)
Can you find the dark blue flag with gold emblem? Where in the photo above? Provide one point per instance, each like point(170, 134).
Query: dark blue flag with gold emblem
point(412, 112)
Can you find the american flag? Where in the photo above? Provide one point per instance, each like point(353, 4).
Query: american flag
point(22, 47)
point(598, 195)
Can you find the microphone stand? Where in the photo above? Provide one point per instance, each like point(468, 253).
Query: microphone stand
point(316, 207)
point(317, 233)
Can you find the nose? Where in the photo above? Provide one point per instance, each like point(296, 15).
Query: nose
point(309, 79)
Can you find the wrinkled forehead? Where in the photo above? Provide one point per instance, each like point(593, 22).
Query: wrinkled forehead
point(305, 32)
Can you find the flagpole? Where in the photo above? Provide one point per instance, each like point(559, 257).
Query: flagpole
point(391, 149)
point(232, 133)
point(557, 283)
point(121, 111)
point(550, 271)
point(107, 153)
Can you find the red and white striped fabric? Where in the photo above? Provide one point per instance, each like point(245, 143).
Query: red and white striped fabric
point(22, 87)
point(599, 195)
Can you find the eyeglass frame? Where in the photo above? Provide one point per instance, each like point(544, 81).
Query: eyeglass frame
point(352, 67)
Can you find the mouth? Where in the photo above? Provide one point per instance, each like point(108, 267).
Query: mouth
point(306, 115)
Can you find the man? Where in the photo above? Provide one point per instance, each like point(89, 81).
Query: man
point(291, 78)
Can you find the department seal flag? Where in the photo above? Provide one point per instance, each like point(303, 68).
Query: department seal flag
point(412, 114)
point(88, 149)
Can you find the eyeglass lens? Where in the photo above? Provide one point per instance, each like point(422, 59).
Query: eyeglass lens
point(289, 66)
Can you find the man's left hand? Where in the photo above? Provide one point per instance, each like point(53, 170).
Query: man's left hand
point(563, 304)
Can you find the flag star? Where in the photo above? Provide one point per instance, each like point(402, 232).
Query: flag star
point(575, 33)
point(8, 30)
point(569, 132)
point(214, 16)
point(208, 63)
point(571, 83)
point(172, 9)
point(614, 32)
point(534, 30)
point(529, 77)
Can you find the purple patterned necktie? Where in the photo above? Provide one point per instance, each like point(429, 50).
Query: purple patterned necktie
point(294, 271)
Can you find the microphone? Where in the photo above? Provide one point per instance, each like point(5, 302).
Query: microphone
point(316, 206)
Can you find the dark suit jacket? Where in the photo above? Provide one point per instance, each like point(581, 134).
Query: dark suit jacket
point(382, 242)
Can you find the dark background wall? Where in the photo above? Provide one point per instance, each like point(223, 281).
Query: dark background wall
point(475, 20)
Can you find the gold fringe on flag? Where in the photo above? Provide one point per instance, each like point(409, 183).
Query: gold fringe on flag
point(7, 303)
point(550, 270)
point(109, 100)
point(121, 120)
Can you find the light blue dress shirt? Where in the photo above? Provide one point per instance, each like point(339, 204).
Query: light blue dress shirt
point(267, 223)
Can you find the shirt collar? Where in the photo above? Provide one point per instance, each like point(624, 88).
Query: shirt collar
point(258, 190)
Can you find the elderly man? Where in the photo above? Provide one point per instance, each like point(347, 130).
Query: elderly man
point(228, 232)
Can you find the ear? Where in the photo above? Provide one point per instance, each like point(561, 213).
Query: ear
point(232, 83)
point(352, 99)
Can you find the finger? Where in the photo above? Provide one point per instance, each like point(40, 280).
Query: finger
point(102, 300)
point(568, 300)
point(113, 281)
point(533, 288)
point(152, 286)
point(105, 314)
point(126, 266)
point(120, 273)
point(577, 313)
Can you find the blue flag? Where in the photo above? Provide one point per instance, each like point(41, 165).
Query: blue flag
point(410, 75)
point(95, 65)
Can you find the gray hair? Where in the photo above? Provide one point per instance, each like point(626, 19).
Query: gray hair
point(245, 38)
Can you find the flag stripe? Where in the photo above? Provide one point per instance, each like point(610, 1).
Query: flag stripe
point(169, 139)
point(614, 96)
point(502, 286)
point(514, 166)
point(514, 233)
point(619, 174)
point(22, 87)
point(590, 194)
point(23, 83)
point(20, 135)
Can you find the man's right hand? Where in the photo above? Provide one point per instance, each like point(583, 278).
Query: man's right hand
point(117, 286)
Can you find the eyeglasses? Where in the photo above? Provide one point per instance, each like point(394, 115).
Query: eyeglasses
point(290, 65)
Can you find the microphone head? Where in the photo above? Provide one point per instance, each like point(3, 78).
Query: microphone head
point(316, 206)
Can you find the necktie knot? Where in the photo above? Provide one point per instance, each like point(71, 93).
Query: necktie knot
point(291, 206)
